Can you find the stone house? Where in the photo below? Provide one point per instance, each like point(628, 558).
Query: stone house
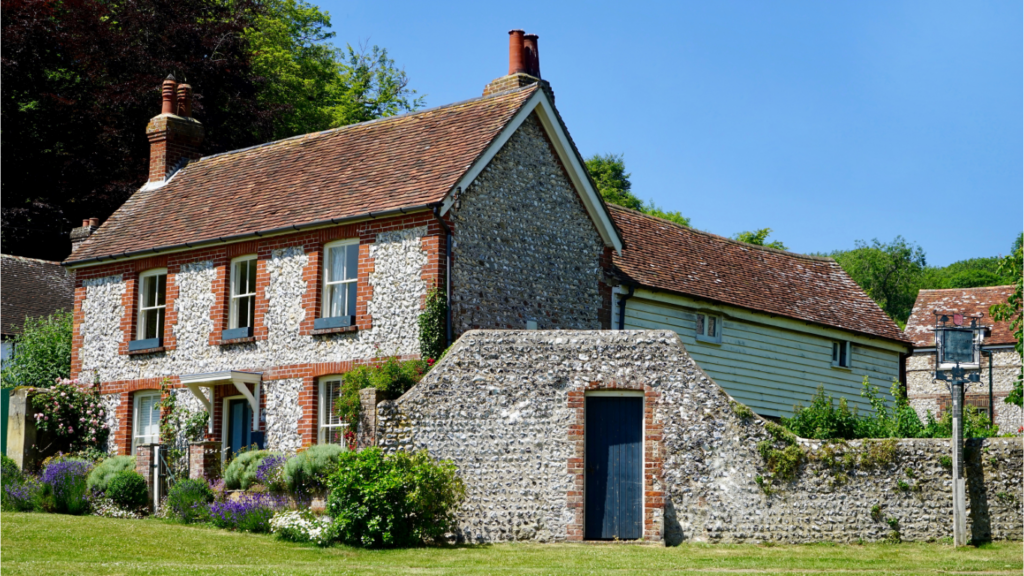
point(998, 363)
point(251, 280)
point(768, 326)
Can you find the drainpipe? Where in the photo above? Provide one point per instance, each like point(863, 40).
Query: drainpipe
point(447, 275)
point(622, 307)
point(991, 405)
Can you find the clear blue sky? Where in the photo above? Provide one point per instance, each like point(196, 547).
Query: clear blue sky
point(828, 122)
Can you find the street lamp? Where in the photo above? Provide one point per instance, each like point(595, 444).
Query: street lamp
point(958, 349)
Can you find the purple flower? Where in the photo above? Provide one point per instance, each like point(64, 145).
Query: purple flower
point(268, 470)
point(251, 513)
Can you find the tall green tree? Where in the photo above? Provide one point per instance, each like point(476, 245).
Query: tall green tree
point(890, 273)
point(1011, 310)
point(609, 173)
point(42, 352)
point(759, 238)
point(315, 84)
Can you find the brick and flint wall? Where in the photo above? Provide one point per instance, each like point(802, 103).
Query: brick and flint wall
point(506, 408)
point(525, 247)
point(400, 260)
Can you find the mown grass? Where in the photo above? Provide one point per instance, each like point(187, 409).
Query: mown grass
point(42, 544)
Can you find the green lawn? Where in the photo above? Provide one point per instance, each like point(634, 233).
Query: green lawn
point(39, 544)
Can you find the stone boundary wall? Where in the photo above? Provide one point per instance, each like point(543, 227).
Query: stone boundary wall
point(502, 406)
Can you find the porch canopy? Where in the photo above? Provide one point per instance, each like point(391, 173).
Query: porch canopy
point(240, 380)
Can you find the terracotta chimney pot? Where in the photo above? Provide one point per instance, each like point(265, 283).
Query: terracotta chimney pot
point(168, 88)
point(92, 222)
point(516, 65)
point(184, 100)
point(531, 55)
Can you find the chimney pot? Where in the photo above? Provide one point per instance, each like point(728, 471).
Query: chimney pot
point(516, 65)
point(167, 89)
point(85, 222)
point(531, 55)
point(185, 100)
point(93, 222)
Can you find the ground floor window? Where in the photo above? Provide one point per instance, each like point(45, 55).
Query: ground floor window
point(332, 429)
point(146, 428)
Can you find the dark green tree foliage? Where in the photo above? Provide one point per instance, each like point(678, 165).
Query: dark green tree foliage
point(42, 352)
point(128, 489)
point(432, 323)
point(80, 80)
point(401, 500)
point(1011, 310)
point(759, 238)
point(890, 273)
point(609, 174)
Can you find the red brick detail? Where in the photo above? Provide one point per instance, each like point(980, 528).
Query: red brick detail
point(123, 437)
point(77, 340)
point(654, 496)
point(171, 312)
point(221, 295)
point(313, 273)
point(129, 300)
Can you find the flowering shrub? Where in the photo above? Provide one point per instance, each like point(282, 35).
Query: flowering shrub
point(107, 508)
point(403, 499)
point(241, 472)
point(307, 472)
point(295, 526)
point(19, 495)
point(270, 473)
point(72, 413)
point(64, 488)
point(178, 427)
point(251, 513)
point(189, 500)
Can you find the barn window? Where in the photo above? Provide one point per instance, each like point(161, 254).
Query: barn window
point(708, 328)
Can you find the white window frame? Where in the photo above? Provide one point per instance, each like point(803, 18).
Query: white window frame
point(837, 356)
point(324, 409)
point(137, 414)
point(141, 322)
point(700, 327)
point(233, 312)
point(324, 304)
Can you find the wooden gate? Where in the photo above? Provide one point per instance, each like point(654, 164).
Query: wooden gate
point(614, 467)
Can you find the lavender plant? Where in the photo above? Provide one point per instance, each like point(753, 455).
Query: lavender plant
point(20, 495)
point(270, 473)
point(64, 488)
point(251, 513)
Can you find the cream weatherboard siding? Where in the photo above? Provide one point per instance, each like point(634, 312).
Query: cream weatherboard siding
point(769, 363)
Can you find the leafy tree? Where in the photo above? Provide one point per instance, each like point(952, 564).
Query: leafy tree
point(609, 173)
point(971, 273)
point(890, 273)
point(759, 238)
point(1013, 265)
point(42, 352)
point(314, 84)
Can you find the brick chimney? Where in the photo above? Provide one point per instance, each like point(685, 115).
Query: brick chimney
point(174, 136)
point(523, 65)
point(78, 235)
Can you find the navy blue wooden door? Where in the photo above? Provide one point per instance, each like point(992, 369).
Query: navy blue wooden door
point(614, 480)
point(239, 425)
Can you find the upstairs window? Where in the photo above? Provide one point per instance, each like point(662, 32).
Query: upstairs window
point(332, 429)
point(341, 274)
point(841, 354)
point(243, 298)
point(152, 306)
point(708, 328)
point(146, 428)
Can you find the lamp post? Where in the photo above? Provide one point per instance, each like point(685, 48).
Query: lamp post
point(957, 349)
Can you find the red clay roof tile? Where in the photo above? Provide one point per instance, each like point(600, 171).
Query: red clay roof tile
point(665, 256)
point(968, 301)
point(375, 166)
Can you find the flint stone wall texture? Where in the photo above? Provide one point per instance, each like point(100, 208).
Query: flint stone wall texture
point(497, 406)
point(525, 247)
point(924, 391)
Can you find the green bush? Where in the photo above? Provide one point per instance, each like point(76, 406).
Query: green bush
point(42, 352)
point(388, 501)
point(976, 424)
point(389, 375)
point(105, 471)
point(241, 472)
point(307, 472)
point(63, 487)
point(128, 489)
point(189, 500)
point(432, 323)
point(9, 471)
point(822, 419)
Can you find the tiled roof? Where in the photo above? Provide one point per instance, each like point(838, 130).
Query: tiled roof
point(672, 258)
point(32, 288)
point(377, 166)
point(967, 301)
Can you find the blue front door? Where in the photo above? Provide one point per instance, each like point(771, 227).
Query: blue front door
point(239, 425)
point(614, 464)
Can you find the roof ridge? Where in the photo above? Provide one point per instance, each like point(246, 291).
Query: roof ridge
point(961, 289)
point(365, 123)
point(27, 259)
point(725, 238)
